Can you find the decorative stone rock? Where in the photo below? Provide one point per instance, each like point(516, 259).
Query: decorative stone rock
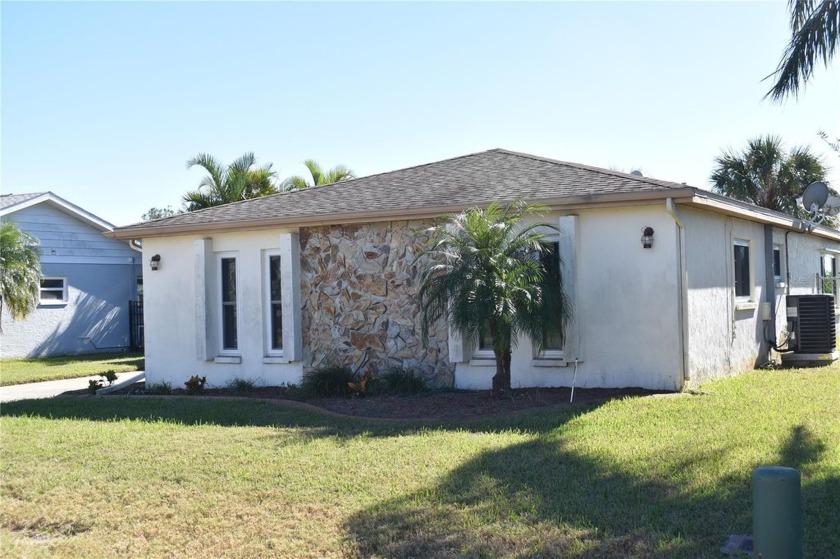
point(359, 287)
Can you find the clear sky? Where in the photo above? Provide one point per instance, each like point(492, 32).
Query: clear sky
point(103, 103)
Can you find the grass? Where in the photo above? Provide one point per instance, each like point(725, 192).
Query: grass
point(639, 477)
point(20, 371)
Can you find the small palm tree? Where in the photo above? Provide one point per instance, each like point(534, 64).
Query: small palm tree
point(20, 271)
point(815, 28)
point(242, 180)
point(766, 175)
point(486, 278)
point(319, 177)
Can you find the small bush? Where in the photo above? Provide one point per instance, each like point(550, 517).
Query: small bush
point(404, 381)
point(242, 385)
point(196, 384)
point(110, 376)
point(159, 388)
point(328, 381)
point(94, 385)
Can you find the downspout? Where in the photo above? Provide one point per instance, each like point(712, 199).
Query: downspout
point(682, 307)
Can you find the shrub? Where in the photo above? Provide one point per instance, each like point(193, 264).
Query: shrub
point(94, 385)
point(159, 388)
point(404, 380)
point(242, 384)
point(196, 384)
point(110, 376)
point(328, 381)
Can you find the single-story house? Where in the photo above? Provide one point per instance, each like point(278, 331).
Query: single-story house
point(269, 288)
point(88, 280)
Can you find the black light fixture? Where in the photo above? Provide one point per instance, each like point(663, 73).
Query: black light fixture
point(155, 262)
point(647, 237)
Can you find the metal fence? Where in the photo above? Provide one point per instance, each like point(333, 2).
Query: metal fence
point(135, 319)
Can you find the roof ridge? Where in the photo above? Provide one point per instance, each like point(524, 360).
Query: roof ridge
point(609, 172)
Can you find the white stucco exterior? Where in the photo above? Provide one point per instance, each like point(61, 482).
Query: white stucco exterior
point(182, 309)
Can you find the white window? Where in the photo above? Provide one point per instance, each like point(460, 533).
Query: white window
point(743, 272)
point(53, 291)
point(228, 298)
point(828, 271)
point(273, 305)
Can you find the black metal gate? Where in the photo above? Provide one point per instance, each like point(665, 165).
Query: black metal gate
point(135, 319)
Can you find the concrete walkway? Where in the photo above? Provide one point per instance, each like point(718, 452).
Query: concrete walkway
point(51, 388)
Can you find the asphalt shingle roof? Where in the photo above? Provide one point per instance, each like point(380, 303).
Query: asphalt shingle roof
point(475, 179)
point(8, 200)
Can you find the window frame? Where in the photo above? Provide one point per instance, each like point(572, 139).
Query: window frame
point(52, 302)
point(779, 278)
point(824, 256)
point(220, 257)
point(552, 353)
point(750, 297)
point(269, 350)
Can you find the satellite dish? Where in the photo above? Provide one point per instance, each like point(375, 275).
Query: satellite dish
point(815, 195)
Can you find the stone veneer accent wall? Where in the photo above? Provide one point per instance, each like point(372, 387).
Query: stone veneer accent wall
point(359, 288)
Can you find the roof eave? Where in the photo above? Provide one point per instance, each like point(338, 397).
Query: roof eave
point(558, 203)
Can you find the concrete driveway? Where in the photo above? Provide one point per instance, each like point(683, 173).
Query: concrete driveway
point(50, 388)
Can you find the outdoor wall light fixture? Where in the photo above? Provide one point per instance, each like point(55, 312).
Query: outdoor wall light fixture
point(155, 262)
point(647, 237)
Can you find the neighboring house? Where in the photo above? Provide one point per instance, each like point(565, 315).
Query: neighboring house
point(271, 287)
point(88, 280)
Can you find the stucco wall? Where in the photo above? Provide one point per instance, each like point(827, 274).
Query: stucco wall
point(626, 330)
point(359, 287)
point(180, 341)
point(724, 339)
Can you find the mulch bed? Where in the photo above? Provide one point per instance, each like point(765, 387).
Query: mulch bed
point(450, 404)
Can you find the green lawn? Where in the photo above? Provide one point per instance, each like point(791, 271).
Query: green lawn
point(20, 371)
point(643, 477)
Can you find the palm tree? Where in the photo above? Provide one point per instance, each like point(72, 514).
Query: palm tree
point(319, 177)
point(20, 271)
point(815, 27)
point(765, 175)
point(487, 278)
point(242, 180)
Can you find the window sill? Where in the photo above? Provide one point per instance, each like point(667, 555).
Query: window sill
point(228, 359)
point(549, 362)
point(746, 306)
point(53, 303)
point(780, 284)
point(483, 362)
point(275, 360)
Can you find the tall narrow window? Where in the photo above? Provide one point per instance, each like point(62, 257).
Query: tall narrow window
point(550, 259)
point(275, 305)
point(229, 334)
point(777, 263)
point(743, 282)
point(829, 274)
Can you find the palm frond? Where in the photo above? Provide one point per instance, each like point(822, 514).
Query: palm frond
point(20, 271)
point(316, 172)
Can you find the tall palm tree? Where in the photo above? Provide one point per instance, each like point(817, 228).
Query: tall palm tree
point(318, 176)
point(20, 271)
point(815, 27)
point(241, 180)
point(486, 277)
point(767, 176)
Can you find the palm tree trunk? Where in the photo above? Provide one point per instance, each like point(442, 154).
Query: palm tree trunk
point(501, 380)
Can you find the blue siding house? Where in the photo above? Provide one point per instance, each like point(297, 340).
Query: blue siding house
point(88, 281)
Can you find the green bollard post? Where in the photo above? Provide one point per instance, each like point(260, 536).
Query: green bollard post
point(777, 513)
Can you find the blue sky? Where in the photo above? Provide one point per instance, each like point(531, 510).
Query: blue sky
point(103, 103)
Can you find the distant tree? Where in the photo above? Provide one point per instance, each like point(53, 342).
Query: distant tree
point(241, 180)
point(766, 175)
point(20, 271)
point(815, 28)
point(486, 277)
point(833, 144)
point(158, 213)
point(318, 176)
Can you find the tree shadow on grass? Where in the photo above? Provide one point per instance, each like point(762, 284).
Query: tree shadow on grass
point(542, 499)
